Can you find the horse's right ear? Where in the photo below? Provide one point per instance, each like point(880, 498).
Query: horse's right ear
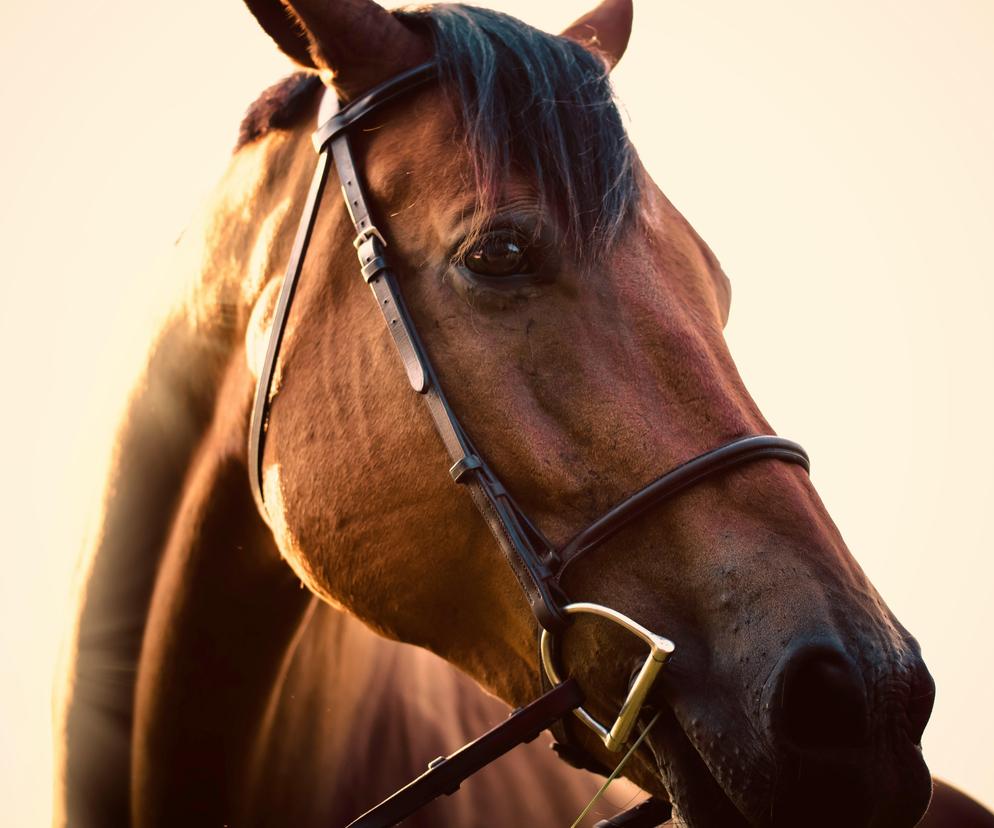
point(283, 27)
point(354, 44)
point(604, 30)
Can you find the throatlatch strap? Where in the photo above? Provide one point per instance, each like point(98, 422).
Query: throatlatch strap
point(336, 124)
point(260, 410)
point(447, 773)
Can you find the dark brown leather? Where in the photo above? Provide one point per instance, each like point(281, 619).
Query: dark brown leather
point(735, 453)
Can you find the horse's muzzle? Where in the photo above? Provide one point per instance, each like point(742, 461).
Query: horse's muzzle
point(848, 744)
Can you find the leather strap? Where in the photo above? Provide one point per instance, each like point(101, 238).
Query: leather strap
point(336, 125)
point(668, 485)
point(378, 96)
point(369, 245)
point(260, 410)
point(447, 773)
point(527, 551)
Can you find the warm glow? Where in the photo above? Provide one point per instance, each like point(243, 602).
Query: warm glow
point(837, 157)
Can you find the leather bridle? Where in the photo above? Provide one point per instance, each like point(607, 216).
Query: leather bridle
point(537, 563)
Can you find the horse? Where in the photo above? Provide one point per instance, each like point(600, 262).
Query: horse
point(575, 322)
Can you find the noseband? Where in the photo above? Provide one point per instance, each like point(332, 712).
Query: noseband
point(538, 565)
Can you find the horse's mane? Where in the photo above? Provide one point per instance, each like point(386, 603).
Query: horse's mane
point(279, 107)
point(530, 102)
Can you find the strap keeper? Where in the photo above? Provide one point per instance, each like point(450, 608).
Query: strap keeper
point(369, 246)
point(464, 465)
point(372, 268)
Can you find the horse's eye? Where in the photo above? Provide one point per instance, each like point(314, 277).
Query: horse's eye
point(501, 254)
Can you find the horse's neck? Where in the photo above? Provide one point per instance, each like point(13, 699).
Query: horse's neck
point(256, 704)
point(223, 609)
point(221, 265)
point(361, 716)
point(354, 716)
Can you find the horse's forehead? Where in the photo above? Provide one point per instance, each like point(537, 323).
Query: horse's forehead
point(420, 145)
point(417, 162)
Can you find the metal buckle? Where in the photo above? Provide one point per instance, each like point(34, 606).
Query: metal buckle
point(366, 234)
point(660, 649)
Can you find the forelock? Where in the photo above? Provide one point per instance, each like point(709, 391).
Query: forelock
point(535, 104)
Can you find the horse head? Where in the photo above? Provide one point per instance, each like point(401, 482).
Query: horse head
point(575, 321)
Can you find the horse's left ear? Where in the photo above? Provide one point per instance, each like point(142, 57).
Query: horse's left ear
point(604, 30)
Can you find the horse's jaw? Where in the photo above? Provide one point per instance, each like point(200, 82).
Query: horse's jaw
point(686, 779)
point(711, 783)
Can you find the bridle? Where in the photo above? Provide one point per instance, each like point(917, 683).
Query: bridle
point(537, 564)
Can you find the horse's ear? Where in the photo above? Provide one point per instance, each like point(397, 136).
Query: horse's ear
point(604, 30)
point(354, 44)
point(281, 25)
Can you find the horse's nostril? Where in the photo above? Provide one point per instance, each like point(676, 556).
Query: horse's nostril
point(820, 700)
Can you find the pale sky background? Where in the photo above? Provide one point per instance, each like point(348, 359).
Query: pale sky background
point(839, 158)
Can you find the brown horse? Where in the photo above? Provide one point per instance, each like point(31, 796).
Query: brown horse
point(575, 320)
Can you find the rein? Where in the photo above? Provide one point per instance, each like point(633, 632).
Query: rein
point(538, 565)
